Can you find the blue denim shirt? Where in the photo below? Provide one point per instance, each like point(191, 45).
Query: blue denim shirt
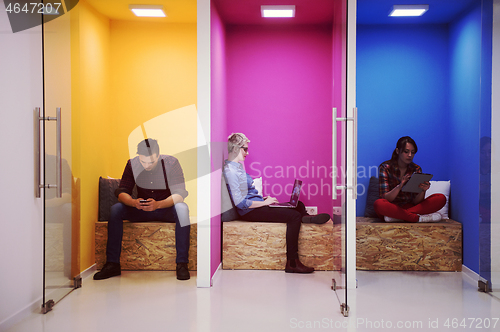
point(240, 186)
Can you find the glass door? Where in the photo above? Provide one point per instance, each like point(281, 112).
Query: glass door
point(60, 253)
point(489, 160)
point(344, 138)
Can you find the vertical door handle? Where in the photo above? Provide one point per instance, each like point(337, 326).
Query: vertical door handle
point(334, 153)
point(355, 153)
point(36, 124)
point(38, 151)
point(58, 153)
point(354, 182)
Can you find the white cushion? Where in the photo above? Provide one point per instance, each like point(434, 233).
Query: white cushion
point(258, 185)
point(440, 187)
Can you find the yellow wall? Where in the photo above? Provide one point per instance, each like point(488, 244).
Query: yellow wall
point(91, 89)
point(126, 75)
point(153, 73)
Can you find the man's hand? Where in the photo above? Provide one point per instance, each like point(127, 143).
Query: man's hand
point(148, 204)
point(137, 203)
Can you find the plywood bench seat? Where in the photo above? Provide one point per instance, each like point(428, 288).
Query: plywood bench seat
point(408, 246)
point(262, 246)
point(145, 245)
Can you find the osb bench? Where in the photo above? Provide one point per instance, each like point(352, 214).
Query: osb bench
point(145, 245)
point(408, 246)
point(262, 246)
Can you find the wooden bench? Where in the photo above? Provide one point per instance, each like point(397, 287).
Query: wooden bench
point(408, 246)
point(145, 245)
point(379, 245)
point(262, 246)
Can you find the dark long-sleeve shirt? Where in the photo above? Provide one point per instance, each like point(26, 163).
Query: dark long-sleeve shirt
point(166, 179)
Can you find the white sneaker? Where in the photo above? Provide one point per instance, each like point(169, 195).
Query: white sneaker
point(389, 219)
point(433, 217)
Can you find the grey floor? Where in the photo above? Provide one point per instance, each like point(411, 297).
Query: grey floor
point(271, 301)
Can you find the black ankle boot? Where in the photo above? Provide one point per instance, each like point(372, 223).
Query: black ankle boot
point(295, 266)
point(182, 271)
point(108, 270)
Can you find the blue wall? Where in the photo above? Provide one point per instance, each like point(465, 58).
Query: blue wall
point(402, 89)
point(424, 81)
point(465, 91)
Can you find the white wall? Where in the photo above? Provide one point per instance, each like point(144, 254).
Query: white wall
point(21, 235)
point(495, 157)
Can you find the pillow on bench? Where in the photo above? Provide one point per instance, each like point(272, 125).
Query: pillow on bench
point(107, 197)
point(228, 209)
point(371, 196)
point(440, 187)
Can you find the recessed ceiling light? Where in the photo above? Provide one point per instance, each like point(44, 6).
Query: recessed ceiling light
point(408, 10)
point(278, 11)
point(147, 10)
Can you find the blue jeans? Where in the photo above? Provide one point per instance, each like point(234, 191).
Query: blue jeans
point(178, 214)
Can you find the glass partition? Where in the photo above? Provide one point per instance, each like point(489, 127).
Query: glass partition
point(489, 153)
point(59, 187)
point(343, 145)
point(285, 80)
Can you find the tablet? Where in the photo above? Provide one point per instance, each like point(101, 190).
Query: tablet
point(415, 180)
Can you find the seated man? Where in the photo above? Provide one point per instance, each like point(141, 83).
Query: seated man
point(161, 193)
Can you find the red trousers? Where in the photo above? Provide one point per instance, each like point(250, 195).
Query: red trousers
point(409, 212)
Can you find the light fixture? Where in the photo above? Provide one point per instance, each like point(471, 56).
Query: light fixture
point(408, 10)
point(278, 11)
point(147, 10)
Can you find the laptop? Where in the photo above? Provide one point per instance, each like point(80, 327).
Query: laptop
point(294, 198)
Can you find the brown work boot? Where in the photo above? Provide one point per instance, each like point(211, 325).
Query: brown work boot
point(295, 266)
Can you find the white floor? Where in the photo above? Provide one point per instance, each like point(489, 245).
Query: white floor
point(273, 301)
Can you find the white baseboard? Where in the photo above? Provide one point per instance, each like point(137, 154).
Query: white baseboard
point(470, 276)
point(216, 274)
point(34, 308)
point(88, 272)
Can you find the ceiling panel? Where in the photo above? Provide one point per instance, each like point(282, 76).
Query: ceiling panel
point(440, 11)
point(178, 11)
point(248, 11)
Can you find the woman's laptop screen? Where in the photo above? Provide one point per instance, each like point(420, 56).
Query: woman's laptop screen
point(294, 198)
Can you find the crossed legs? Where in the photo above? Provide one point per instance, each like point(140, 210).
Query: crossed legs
point(409, 212)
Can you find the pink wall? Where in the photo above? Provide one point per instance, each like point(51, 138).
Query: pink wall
point(218, 129)
point(279, 93)
point(277, 84)
point(339, 87)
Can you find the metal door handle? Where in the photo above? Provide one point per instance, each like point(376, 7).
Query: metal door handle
point(58, 153)
point(36, 123)
point(355, 153)
point(334, 153)
point(354, 185)
point(38, 148)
